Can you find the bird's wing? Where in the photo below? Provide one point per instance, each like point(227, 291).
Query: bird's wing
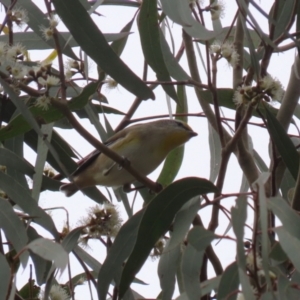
point(89, 159)
point(86, 162)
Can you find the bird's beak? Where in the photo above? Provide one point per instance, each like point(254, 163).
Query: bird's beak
point(193, 133)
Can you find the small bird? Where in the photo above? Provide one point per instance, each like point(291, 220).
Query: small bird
point(145, 145)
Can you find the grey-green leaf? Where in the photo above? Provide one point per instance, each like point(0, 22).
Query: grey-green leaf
point(92, 41)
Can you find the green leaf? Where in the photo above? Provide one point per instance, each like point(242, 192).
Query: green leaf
point(4, 275)
point(209, 285)
point(119, 45)
point(287, 216)
point(50, 251)
point(265, 245)
point(239, 215)
point(285, 16)
point(180, 12)
point(215, 152)
point(229, 283)
point(200, 238)
point(253, 54)
point(11, 160)
point(157, 219)
point(246, 286)
point(60, 146)
point(13, 228)
point(30, 290)
point(174, 68)
point(150, 41)
point(87, 259)
point(283, 144)
point(32, 41)
point(277, 253)
point(16, 145)
point(118, 252)
point(290, 245)
point(70, 241)
point(190, 267)
point(41, 266)
point(93, 43)
point(20, 196)
point(19, 124)
point(81, 113)
point(167, 267)
point(183, 221)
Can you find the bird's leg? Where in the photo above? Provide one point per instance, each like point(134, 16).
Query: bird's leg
point(127, 188)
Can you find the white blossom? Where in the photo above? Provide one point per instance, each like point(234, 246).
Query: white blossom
point(14, 51)
point(18, 70)
point(20, 16)
point(52, 80)
point(47, 32)
point(53, 21)
point(273, 87)
point(43, 102)
point(217, 9)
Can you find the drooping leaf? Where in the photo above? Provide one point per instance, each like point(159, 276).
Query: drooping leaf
point(118, 253)
point(119, 45)
point(70, 241)
point(87, 258)
point(283, 18)
point(190, 267)
point(156, 220)
point(92, 41)
point(4, 275)
point(32, 41)
point(150, 41)
point(41, 266)
point(29, 290)
point(200, 238)
point(183, 221)
point(180, 12)
point(290, 245)
point(13, 228)
point(167, 267)
point(287, 216)
point(174, 68)
point(50, 251)
point(283, 144)
point(20, 196)
point(215, 152)
point(229, 283)
point(11, 160)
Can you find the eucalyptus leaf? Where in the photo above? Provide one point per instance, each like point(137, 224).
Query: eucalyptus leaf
point(160, 212)
point(50, 251)
point(14, 229)
point(20, 196)
point(150, 41)
point(92, 41)
point(166, 270)
point(5, 274)
point(190, 267)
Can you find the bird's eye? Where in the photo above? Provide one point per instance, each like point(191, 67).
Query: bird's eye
point(180, 124)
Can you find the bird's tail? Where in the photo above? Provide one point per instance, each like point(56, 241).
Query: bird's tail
point(69, 189)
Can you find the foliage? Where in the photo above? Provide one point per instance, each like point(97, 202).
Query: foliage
point(39, 97)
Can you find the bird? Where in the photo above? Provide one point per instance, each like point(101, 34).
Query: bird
point(145, 145)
